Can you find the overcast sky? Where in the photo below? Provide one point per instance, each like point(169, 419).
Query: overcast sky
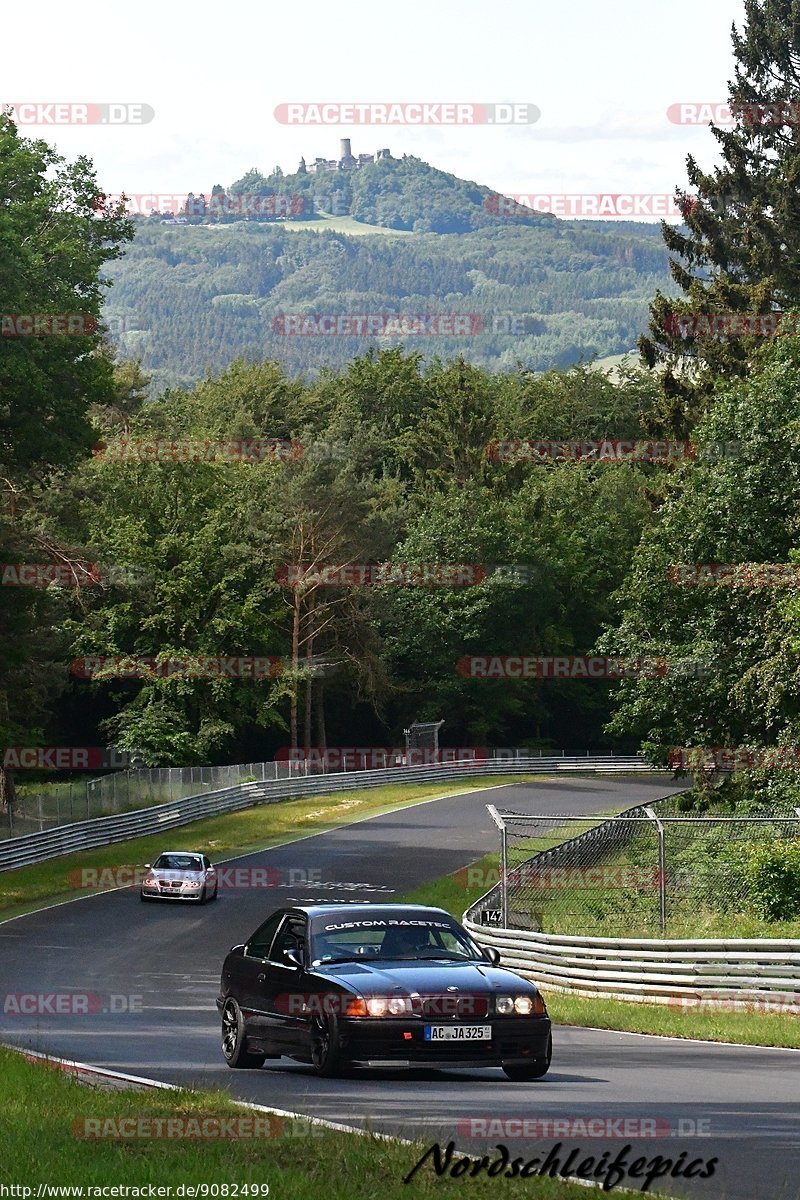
point(602, 74)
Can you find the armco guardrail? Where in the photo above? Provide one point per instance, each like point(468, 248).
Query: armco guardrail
point(102, 831)
point(741, 971)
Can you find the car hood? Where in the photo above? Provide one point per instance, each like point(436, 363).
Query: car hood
point(172, 873)
point(379, 979)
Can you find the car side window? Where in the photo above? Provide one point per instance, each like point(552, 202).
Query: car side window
point(260, 942)
point(291, 937)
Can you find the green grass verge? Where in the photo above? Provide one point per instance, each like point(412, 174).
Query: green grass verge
point(343, 224)
point(42, 1108)
point(749, 1028)
point(226, 836)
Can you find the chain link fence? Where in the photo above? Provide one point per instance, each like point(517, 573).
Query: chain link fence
point(47, 805)
point(647, 872)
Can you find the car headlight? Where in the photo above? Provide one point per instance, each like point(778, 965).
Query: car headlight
point(523, 1006)
point(192, 883)
point(386, 1006)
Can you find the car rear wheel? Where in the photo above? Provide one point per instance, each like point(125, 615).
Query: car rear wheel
point(326, 1057)
point(533, 1070)
point(234, 1040)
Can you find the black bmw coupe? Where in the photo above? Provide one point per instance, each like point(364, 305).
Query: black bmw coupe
point(390, 985)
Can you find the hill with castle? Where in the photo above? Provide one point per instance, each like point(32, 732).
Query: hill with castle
point(539, 291)
point(406, 194)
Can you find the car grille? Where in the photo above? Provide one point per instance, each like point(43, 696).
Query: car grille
point(449, 1005)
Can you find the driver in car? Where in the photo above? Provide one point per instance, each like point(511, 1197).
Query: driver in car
point(404, 943)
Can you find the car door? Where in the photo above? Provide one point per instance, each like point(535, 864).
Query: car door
point(283, 986)
point(249, 975)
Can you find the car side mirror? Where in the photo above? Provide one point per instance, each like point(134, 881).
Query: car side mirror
point(147, 866)
point(493, 955)
point(238, 950)
point(293, 958)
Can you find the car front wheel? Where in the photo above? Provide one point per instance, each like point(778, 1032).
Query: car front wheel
point(533, 1070)
point(234, 1039)
point(326, 1057)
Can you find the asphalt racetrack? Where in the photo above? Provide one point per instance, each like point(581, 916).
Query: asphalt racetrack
point(741, 1104)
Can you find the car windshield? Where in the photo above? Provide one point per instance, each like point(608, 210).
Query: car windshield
point(178, 862)
point(404, 938)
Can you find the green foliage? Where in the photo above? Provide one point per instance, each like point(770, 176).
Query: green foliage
point(772, 874)
point(731, 510)
point(54, 239)
point(194, 299)
point(738, 250)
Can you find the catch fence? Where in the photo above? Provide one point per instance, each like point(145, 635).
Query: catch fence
point(50, 805)
point(645, 872)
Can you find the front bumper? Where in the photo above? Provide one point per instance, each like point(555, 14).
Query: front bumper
point(155, 893)
point(383, 1042)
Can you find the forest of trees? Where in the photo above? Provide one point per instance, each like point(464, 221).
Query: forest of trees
point(188, 301)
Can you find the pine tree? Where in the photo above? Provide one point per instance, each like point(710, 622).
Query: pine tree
point(739, 248)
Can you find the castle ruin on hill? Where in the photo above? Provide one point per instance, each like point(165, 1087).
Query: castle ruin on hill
point(346, 161)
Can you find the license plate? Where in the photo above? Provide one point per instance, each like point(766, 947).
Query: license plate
point(458, 1033)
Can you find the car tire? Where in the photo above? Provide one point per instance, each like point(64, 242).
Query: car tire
point(234, 1049)
point(215, 893)
point(203, 897)
point(143, 898)
point(326, 1057)
point(533, 1070)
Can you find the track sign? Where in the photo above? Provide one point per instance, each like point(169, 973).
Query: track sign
point(491, 916)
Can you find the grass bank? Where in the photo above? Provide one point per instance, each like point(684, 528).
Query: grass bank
point(46, 1115)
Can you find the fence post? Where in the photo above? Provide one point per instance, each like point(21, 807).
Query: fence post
point(504, 867)
point(662, 871)
point(501, 825)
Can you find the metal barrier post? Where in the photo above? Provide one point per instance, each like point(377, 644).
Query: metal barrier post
point(662, 872)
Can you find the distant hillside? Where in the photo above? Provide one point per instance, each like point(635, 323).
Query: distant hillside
point(538, 291)
point(395, 193)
